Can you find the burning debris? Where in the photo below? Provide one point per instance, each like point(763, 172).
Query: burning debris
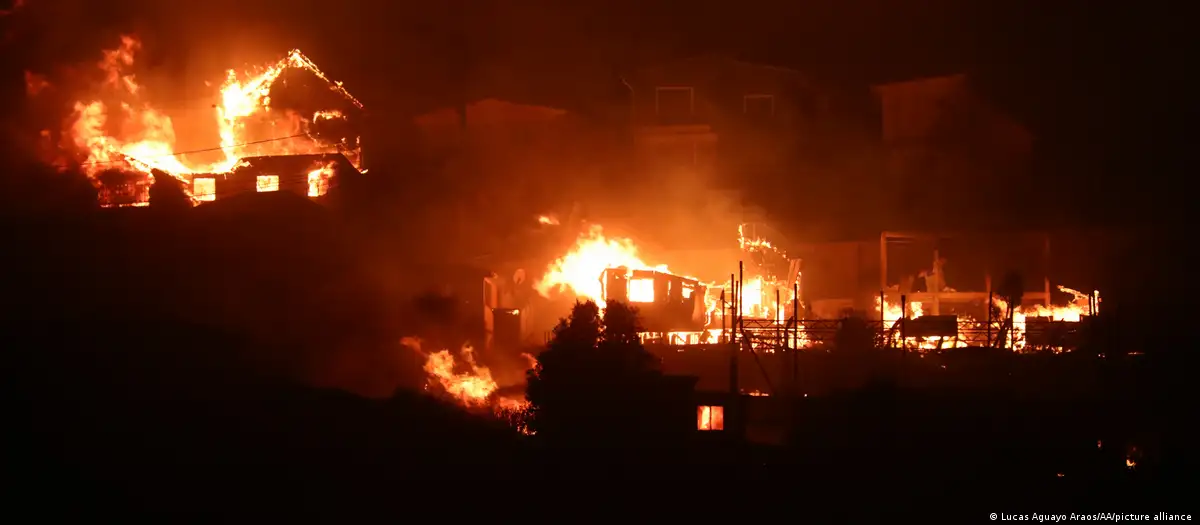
point(116, 128)
point(599, 268)
point(768, 306)
point(467, 382)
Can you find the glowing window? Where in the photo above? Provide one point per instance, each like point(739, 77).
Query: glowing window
point(687, 291)
point(710, 418)
point(318, 181)
point(266, 183)
point(641, 290)
point(204, 188)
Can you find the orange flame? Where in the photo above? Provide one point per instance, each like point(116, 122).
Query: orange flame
point(116, 128)
point(469, 383)
point(579, 270)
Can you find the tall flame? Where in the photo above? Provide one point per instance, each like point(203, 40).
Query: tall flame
point(579, 270)
point(467, 382)
point(118, 129)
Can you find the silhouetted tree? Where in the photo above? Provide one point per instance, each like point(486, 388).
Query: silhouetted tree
point(595, 382)
point(167, 193)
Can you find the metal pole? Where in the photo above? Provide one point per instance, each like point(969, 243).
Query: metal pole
point(732, 307)
point(734, 349)
point(883, 237)
point(733, 297)
point(1012, 328)
point(796, 316)
point(882, 317)
point(989, 319)
point(741, 290)
point(778, 333)
point(903, 318)
point(796, 337)
point(1046, 280)
point(724, 305)
point(937, 282)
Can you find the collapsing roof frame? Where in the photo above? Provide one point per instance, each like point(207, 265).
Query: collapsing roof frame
point(934, 297)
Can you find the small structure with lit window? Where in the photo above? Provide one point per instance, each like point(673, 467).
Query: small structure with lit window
point(666, 302)
point(710, 417)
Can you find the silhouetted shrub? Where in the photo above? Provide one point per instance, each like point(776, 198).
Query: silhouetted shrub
point(595, 381)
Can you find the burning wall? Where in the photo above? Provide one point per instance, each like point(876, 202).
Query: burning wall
point(116, 124)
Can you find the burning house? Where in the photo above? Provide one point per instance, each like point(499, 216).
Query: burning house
point(667, 303)
point(119, 137)
point(304, 175)
point(740, 336)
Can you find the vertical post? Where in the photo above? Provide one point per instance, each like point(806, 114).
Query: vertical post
point(903, 318)
point(796, 316)
point(989, 316)
point(796, 337)
point(732, 307)
point(778, 333)
point(883, 262)
point(1046, 279)
point(741, 290)
point(883, 328)
point(734, 347)
point(1012, 332)
point(937, 282)
point(1011, 322)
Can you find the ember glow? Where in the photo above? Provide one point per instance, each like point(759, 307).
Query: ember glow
point(464, 380)
point(116, 126)
point(579, 270)
point(578, 273)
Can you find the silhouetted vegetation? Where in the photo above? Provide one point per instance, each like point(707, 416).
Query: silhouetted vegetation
point(595, 383)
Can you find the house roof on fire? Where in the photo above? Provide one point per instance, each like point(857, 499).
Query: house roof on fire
point(296, 163)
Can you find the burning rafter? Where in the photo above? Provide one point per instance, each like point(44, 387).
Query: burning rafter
point(120, 130)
